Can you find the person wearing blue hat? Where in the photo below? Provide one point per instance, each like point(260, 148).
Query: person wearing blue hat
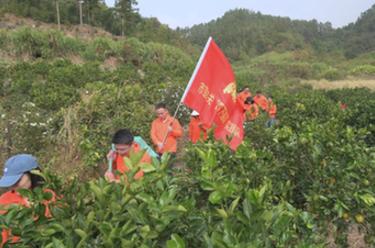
point(17, 175)
point(17, 171)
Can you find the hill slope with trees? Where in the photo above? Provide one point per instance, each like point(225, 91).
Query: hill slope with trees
point(243, 33)
point(306, 182)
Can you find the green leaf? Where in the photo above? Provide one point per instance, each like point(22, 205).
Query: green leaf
point(175, 242)
point(145, 198)
point(80, 233)
point(234, 204)
point(91, 216)
point(48, 232)
point(368, 199)
point(215, 197)
point(145, 230)
point(222, 213)
point(57, 243)
point(147, 167)
point(178, 208)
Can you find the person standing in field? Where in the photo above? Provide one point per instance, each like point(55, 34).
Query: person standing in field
point(124, 146)
point(253, 109)
point(242, 96)
point(165, 130)
point(272, 110)
point(197, 130)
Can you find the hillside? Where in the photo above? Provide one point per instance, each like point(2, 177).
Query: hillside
point(304, 181)
point(243, 34)
point(121, 20)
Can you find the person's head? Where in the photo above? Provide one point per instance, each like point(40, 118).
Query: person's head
point(269, 98)
point(258, 92)
point(123, 140)
point(161, 111)
point(249, 100)
point(17, 172)
point(246, 89)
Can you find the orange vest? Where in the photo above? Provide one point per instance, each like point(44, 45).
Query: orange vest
point(253, 112)
point(12, 197)
point(159, 130)
point(261, 101)
point(120, 166)
point(196, 128)
point(272, 110)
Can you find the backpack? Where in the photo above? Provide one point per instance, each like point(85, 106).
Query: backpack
point(145, 146)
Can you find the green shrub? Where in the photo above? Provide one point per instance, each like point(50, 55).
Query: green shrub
point(101, 48)
point(332, 74)
point(363, 70)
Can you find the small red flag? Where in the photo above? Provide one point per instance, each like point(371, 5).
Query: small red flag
point(212, 92)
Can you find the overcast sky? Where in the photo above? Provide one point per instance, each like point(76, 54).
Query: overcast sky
point(182, 13)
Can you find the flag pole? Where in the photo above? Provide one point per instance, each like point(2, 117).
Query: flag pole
point(190, 83)
point(196, 68)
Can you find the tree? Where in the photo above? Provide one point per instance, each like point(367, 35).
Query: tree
point(58, 13)
point(125, 12)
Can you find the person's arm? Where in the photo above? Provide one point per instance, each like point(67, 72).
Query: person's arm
point(176, 129)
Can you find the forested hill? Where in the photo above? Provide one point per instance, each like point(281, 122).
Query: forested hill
point(243, 33)
point(359, 37)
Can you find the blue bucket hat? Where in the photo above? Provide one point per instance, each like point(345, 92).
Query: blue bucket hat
point(15, 167)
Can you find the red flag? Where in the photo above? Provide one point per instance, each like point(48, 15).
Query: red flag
point(212, 92)
point(233, 129)
point(212, 85)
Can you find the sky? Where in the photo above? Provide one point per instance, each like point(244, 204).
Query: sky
point(186, 13)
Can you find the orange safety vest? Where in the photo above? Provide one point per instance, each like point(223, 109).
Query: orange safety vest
point(196, 129)
point(261, 101)
point(253, 112)
point(120, 166)
point(272, 110)
point(159, 130)
point(12, 197)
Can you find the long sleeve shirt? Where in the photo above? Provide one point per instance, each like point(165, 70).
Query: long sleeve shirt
point(160, 133)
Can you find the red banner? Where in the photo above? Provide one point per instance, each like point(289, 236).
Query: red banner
point(232, 132)
point(212, 92)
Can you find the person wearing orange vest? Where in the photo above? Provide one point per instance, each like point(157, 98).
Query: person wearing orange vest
point(165, 130)
point(242, 96)
point(272, 110)
point(124, 146)
point(197, 130)
point(252, 110)
point(261, 100)
point(18, 175)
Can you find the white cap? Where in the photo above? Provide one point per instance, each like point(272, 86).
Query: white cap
point(194, 113)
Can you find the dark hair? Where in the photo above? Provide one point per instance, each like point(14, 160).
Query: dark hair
point(244, 88)
point(123, 136)
point(249, 100)
point(258, 92)
point(36, 180)
point(160, 105)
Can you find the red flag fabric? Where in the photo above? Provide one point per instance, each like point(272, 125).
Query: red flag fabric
point(212, 85)
point(232, 132)
point(212, 92)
